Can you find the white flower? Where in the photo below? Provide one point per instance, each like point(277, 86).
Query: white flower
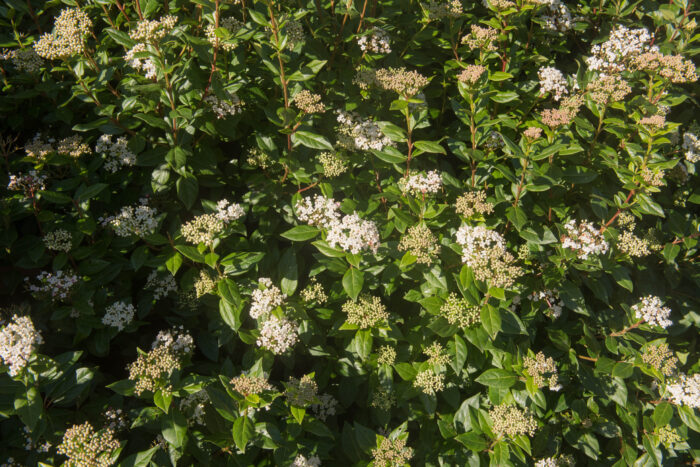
point(278, 335)
point(376, 41)
point(118, 152)
point(585, 239)
point(177, 339)
point(356, 132)
point(227, 211)
point(133, 220)
point(58, 240)
point(29, 183)
point(161, 285)
point(551, 298)
point(265, 300)
point(146, 65)
point(685, 390)
point(552, 80)
point(624, 44)
point(353, 234)
point(58, 286)
point(223, 108)
point(559, 17)
point(475, 240)
point(418, 184)
point(319, 212)
point(118, 315)
point(691, 146)
point(302, 461)
point(17, 342)
point(651, 310)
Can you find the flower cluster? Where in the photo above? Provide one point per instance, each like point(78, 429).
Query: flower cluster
point(247, 384)
point(391, 453)
point(401, 81)
point(551, 297)
point(117, 153)
point(308, 102)
point(314, 293)
point(232, 25)
point(18, 339)
point(205, 284)
point(458, 311)
point(257, 158)
point(445, 10)
point(203, 229)
point(223, 108)
point(653, 122)
point(161, 284)
point(436, 354)
point(67, 39)
point(194, 405)
point(301, 392)
point(353, 234)
point(360, 133)
point(652, 311)
point(295, 33)
point(278, 335)
point(484, 39)
point(552, 81)
point(607, 89)
point(83, 446)
point(176, 339)
point(301, 461)
point(429, 382)
point(28, 184)
point(119, 315)
point(541, 368)
point(558, 17)
point(325, 407)
point(152, 370)
point(674, 68)
point(24, 60)
point(691, 146)
point(532, 133)
point(58, 286)
point(226, 211)
point(137, 220)
point(484, 251)
point(39, 147)
point(153, 30)
point(421, 184)
point(265, 299)
point(661, 358)
point(509, 420)
point(368, 311)
point(565, 114)
point(420, 242)
point(383, 399)
point(584, 239)
point(564, 460)
point(386, 355)
point(333, 165)
point(685, 390)
point(668, 436)
point(376, 41)
point(58, 240)
point(141, 63)
point(473, 202)
point(623, 45)
point(471, 74)
point(318, 212)
point(115, 419)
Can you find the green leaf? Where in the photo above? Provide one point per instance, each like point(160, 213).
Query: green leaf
point(85, 193)
point(392, 131)
point(390, 155)
point(230, 314)
point(243, 431)
point(497, 378)
point(187, 189)
point(301, 233)
point(430, 146)
point(473, 441)
point(29, 407)
point(406, 371)
point(289, 272)
point(162, 400)
point(55, 197)
point(311, 140)
point(174, 262)
point(505, 96)
point(191, 253)
point(298, 413)
point(663, 414)
point(491, 320)
point(174, 428)
point(353, 279)
point(689, 418)
point(140, 459)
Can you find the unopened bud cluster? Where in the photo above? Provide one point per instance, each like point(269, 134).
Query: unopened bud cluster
point(509, 420)
point(458, 311)
point(420, 242)
point(367, 312)
point(542, 368)
point(83, 446)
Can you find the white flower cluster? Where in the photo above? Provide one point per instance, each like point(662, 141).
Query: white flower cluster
point(325, 407)
point(118, 315)
point(350, 232)
point(584, 238)
point(58, 286)
point(223, 108)
point(551, 298)
point(28, 184)
point(421, 184)
point(194, 405)
point(227, 211)
point(145, 64)
point(353, 234)
point(17, 342)
point(559, 17)
point(685, 390)
point(623, 45)
point(319, 212)
point(301, 461)
point(476, 240)
point(552, 80)
point(360, 133)
point(161, 285)
point(278, 335)
point(691, 146)
point(153, 30)
point(265, 299)
point(34, 445)
point(177, 339)
point(117, 152)
point(133, 220)
point(652, 311)
point(376, 42)
point(58, 240)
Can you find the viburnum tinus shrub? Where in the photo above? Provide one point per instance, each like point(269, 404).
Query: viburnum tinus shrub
point(349, 233)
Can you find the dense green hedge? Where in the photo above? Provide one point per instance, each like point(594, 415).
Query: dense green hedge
point(341, 232)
